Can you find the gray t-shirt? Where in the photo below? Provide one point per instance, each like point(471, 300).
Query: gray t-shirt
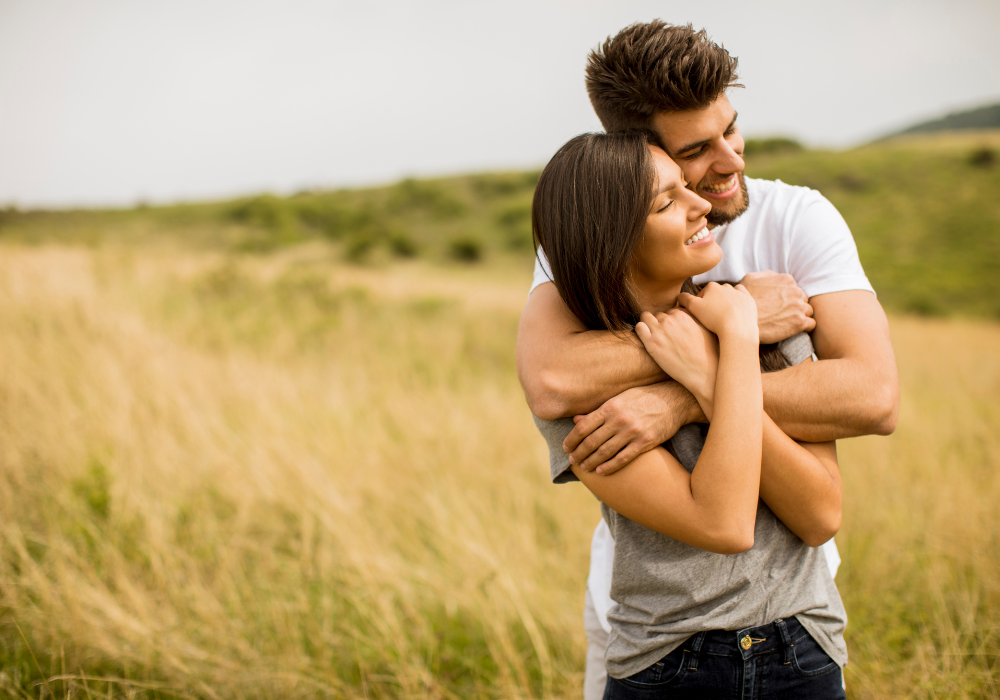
point(665, 590)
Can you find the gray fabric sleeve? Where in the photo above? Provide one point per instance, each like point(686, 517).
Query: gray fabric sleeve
point(796, 349)
point(554, 432)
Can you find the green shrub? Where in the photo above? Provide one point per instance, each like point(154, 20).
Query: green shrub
point(359, 246)
point(465, 249)
point(493, 185)
point(515, 222)
point(402, 245)
point(774, 144)
point(411, 196)
point(983, 157)
point(266, 211)
point(336, 220)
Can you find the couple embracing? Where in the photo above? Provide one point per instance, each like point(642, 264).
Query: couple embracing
point(701, 414)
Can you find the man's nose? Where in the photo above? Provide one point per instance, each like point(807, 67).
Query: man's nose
point(729, 160)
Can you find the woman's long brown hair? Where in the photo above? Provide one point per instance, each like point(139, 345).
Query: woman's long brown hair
point(588, 215)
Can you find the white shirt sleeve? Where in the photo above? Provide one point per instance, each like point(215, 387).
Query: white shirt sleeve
point(543, 273)
point(822, 256)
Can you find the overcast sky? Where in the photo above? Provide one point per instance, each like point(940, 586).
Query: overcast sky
point(115, 101)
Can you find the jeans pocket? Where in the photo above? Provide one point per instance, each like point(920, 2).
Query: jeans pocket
point(809, 659)
point(664, 672)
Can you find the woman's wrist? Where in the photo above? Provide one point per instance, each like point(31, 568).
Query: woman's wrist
point(740, 335)
point(704, 394)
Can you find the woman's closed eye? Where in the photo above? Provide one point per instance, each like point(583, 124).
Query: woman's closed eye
point(665, 206)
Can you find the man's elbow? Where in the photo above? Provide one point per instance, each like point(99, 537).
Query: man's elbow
point(546, 395)
point(884, 411)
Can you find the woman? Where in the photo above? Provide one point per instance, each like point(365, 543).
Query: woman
point(716, 591)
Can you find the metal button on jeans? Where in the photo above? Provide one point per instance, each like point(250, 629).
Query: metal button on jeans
point(746, 642)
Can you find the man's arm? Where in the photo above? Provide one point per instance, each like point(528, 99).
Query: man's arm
point(854, 389)
point(567, 370)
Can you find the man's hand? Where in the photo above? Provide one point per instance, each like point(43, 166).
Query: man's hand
point(782, 308)
point(630, 424)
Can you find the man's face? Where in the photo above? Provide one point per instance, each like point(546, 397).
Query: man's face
point(706, 143)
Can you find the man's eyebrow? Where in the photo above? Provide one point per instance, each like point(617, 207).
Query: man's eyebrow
point(699, 144)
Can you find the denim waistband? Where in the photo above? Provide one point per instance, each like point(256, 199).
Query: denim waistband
point(778, 637)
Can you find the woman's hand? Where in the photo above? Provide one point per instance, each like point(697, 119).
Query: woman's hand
point(729, 312)
point(684, 349)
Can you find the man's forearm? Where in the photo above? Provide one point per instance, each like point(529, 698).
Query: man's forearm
point(567, 370)
point(854, 388)
point(830, 400)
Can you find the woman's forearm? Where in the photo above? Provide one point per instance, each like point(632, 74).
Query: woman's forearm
point(733, 447)
point(800, 483)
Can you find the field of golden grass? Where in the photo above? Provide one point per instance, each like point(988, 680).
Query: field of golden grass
point(280, 476)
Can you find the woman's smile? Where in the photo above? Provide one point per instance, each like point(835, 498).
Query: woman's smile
point(702, 238)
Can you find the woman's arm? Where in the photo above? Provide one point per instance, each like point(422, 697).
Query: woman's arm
point(800, 483)
point(657, 492)
point(715, 507)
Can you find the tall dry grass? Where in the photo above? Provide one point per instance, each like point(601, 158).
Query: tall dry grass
point(243, 477)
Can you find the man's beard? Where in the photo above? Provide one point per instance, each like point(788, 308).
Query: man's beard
point(733, 208)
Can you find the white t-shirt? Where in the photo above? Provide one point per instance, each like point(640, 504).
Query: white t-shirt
point(786, 229)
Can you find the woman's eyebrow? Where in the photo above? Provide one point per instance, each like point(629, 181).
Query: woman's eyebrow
point(672, 185)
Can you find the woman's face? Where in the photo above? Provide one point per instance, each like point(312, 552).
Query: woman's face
point(675, 244)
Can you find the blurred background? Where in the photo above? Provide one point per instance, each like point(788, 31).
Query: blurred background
point(261, 268)
point(111, 102)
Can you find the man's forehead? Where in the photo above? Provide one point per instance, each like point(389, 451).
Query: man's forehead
point(678, 129)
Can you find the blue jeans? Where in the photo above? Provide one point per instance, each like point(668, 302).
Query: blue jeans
point(781, 661)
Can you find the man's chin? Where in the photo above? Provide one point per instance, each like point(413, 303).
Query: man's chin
point(733, 209)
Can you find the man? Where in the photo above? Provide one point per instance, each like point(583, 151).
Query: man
point(673, 80)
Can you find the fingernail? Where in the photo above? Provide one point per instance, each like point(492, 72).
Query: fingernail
point(572, 459)
point(600, 471)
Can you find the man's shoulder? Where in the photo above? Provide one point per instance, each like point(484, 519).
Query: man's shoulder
point(775, 194)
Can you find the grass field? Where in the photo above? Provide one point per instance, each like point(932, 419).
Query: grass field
point(271, 476)
point(275, 447)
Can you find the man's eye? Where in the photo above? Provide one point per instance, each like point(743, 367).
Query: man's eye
point(695, 154)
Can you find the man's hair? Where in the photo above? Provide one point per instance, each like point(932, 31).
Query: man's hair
point(656, 67)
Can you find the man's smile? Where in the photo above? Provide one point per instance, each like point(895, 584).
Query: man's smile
point(721, 189)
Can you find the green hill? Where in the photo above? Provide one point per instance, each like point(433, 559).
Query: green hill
point(987, 117)
point(923, 209)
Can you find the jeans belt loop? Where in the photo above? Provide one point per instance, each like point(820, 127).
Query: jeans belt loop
point(786, 638)
point(693, 647)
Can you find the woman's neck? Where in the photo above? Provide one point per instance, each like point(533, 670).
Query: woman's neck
point(658, 297)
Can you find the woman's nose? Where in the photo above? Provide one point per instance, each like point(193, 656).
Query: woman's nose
point(699, 207)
